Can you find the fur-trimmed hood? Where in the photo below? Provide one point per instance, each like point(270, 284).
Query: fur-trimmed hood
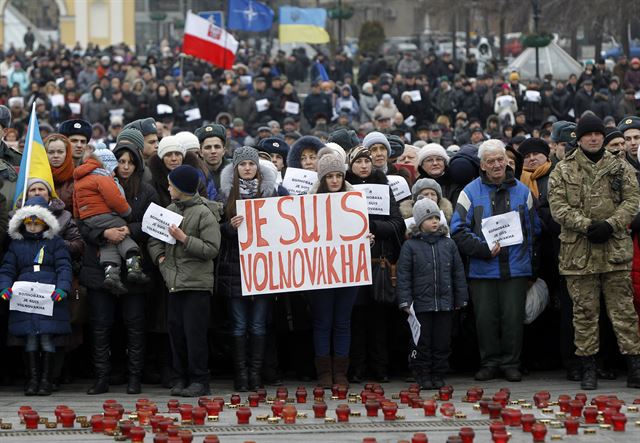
point(267, 183)
point(15, 224)
point(308, 141)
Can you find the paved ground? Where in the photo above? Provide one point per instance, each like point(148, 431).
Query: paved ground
point(312, 430)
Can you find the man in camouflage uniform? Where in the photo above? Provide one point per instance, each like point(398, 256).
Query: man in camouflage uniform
point(594, 196)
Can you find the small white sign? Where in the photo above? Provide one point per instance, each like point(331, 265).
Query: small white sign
point(504, 228)
point(156, 222)
point(291, 107)
point(399, 187)
point(410, 121)
point(33, 298)
point(75, 108)
point(59, 81)
point(262, 104)
point(57, 100)
point(409, 222)
point(116, 112)
point(164, 109)
point(345, 104)
point(414, 325)
point(377, 198)
point(532, 96)
point(192, 114)
point(415, 95)
point(298, 181)
point(245, 79)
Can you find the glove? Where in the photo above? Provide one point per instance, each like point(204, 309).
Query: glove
point(6, 294)
point(635, 223)
point(58, 295)
point(599, 232)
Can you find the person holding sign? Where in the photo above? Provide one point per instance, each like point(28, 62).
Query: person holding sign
point(371, 314)
point(245, 178)
point(498, 275)
point(331, 308)
point(37, 254)
point(431, 279)
point(187, 269)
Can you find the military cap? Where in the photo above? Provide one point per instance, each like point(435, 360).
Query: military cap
point(561, 126)
point(629, 122)
point(274, 145)
point(212, 130)
point(145, 125)
point(75, 127)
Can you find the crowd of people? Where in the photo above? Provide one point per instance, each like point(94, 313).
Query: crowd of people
point(122, 133)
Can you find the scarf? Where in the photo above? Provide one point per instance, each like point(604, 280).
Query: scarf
point(248, 188)
point(64, 172)
point(530, 176)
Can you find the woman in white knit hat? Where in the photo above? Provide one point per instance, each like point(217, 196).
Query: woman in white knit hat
point(433, 162)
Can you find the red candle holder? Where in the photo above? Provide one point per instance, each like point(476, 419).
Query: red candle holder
point(185, 435)
point(68, 417)
point(318, 393)
point(142, 401)
point(114, 407)
point(563, 403)
point(419, 437)
point(144, 416)
point(125, 427)
point(571, 425)
point(263, 397)
point(473, 395)
point(23, 409)
point(369, 440)
point(607, 414)
point(31, 419)
point(615, 404)
point(301, 395)
point(213, 408)
point(467, 435)
point(447, 410)
point(429, 407)
point(161, 437)
point(515, 416)
point(378, 390)
point(172, 430)
point(113, 413)
point(319, 409)
point(173, 406)
point(342, 392)
point(282, 393)
point(235, 399)
point(500, 437)
point(601, 402)
point(404, 397)
point(505, 415)
point(590, 414)
point(389, 410)
point(289, 414)
point(199, 415)
point(444, 393)
point(203, 401)
point(372, 407)
point(497, 426)
point(501, 397)
point(186, 412)
point(57, 412)
point(107, 404)
point(484, 406)
point(154, 421)
point(575, 407)
point(243, 414)
point(137, 434)
point(527, 421)
point(254, 400)
point(619, 422)
point(582, 397)
point(277, 407)
point(417, 402)
point(109, 425)
point(211, 439)
point(541, 399)
point(539, 432)
point(342, 412)
point(153, 408)
point(220, 402)
point(494, 410)
point(96, 424)
point(164, 424)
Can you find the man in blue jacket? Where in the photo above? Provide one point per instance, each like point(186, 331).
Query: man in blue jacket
point(498, 276)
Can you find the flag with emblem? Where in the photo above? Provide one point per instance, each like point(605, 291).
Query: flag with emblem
point(206, 41)
point(34, 163)
point(304, 25)
point(248, 15)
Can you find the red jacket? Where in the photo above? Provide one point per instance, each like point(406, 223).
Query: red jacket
point(96, 194)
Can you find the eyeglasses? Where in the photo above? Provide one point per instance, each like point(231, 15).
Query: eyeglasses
point(433, 160)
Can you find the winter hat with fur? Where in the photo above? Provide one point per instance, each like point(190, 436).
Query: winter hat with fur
point(169, 144)
point(426, 183)
point(425, 209)
point(329, 162)
point(35, 207)
point(432, 149)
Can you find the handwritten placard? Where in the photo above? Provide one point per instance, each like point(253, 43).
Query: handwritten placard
point(504, 229)
point(399, 187)
point(298, 181)
point(377, 198)
point(32, 297)
point(156, 222)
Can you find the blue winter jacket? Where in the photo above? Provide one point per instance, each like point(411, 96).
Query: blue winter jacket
point(55, 269)
point(481, 199)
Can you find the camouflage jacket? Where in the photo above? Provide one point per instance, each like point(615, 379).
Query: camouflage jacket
point(581, 192)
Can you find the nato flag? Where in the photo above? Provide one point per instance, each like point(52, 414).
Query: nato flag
point(248, 15)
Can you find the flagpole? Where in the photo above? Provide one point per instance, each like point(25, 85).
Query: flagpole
point(29, 149)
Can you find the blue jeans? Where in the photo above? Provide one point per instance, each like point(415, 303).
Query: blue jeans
point(331, 312)
point(249, 315)
point(41, 341)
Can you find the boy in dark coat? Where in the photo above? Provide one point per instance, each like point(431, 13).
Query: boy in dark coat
point(37, 254)
point(431, 279)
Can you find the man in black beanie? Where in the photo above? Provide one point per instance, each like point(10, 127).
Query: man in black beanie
point(593, 195)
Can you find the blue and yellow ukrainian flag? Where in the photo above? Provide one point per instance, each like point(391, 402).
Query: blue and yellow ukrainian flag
point(34, 163)
point(304, 25)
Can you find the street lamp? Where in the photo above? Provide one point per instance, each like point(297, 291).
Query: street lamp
point(536, 19)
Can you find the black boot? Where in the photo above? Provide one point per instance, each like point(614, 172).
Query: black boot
point(31, 388)
point(633, 371)
point(589, 373)
point(135, 355)
point(255, 365)
point(45, 379)
point(134, 271)
point(101, 351)
point(112, 281)
point(241, 381)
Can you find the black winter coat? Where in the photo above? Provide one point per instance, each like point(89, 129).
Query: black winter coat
point(431, 273)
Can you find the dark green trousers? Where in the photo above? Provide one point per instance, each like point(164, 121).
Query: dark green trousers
point(499, 310)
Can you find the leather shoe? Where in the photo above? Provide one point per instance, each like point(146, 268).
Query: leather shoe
point(574, 374)
point(512, 374)
point(178, 387)
point(487, 373)
point(133, 385)
point(196, 390)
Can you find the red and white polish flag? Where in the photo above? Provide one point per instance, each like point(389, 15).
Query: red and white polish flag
point(206, 41)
